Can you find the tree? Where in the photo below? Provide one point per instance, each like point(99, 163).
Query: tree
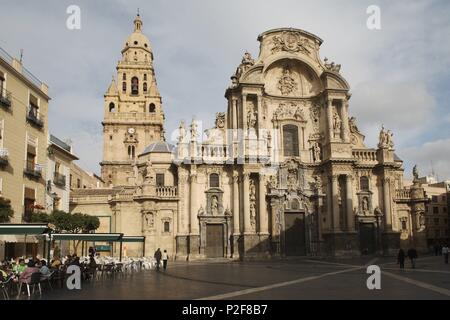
point(6, 212)
point(70, 223)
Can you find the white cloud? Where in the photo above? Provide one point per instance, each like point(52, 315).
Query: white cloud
point(433, 154)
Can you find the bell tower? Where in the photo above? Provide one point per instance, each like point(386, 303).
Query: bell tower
point(133, 115)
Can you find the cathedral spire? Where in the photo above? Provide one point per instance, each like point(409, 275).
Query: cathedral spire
point(137, 23)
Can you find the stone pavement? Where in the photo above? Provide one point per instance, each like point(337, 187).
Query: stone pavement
point(302, 278)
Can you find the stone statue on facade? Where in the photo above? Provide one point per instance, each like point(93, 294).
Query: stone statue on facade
point(332, 66)
point(352, 125)
point(415, 172)
point(181, 132)
point(251, 118)
point(287, 83)
point(316, 151)
point(194, 131)
point(385, 139)
point(214, 206)
point(148, 171)
point(365, 205)
point(149, 220)
point(201, 211)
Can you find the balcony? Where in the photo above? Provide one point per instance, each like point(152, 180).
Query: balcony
point(166, 192)
point(34, 118)
point(59, 179)
point(33, 170)
point(4, 154)
point(5, 98)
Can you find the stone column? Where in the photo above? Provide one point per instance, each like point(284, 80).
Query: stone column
point(387, 205)
point(193, 205)
point(260, 115)
point(263, 223)
point(344, 118)
point(334, 192)
point(330, 119)
point(349, 203)
point(236, 213)
point(246, 195)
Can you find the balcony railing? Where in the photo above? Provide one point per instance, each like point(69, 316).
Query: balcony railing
point(166, 192)
point(365, 155)
point(402, 194)
point(5, 98)
point(59, 179)
point(34, 117)
point(4, 154)
point(32, 169)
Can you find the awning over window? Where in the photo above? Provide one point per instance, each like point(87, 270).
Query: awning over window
point(107, 237)
point(23, 228)
point(133, 239)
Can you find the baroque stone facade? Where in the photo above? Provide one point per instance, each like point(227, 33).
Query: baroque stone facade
point(285, 170)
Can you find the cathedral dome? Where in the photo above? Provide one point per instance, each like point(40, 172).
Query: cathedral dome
point(137, 40)
point(158, 147)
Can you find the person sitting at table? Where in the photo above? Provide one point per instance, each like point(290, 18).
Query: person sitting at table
point(44, 269)
point(20, 267)
point(3, 272)
point(25, 276)
point(56, 262)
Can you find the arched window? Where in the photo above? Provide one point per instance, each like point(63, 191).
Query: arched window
point(364, 183)
point(145, 86)
point(124, 87)
point(214, 180)
point(290, 140)
point(112, 107)
point(131, 152)
point(134, 85)
point(145, 77)
point(124, 77)
point(152, 107)
point(166, 226)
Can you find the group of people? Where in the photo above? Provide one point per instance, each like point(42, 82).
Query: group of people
point(441, 250)
point(21, 270)
point(161, 256)
point(412, 255)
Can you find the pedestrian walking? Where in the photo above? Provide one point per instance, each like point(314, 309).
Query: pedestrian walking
point(412, 255)
point(158, 258)
point(165, 257)
point(445, 252)
point(401, 258)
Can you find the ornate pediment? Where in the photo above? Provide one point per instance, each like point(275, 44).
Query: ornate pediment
point(293, 42)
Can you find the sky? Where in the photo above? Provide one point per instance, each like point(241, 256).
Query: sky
point(399, 75)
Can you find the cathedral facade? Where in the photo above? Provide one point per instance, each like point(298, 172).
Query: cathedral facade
point(284, 171)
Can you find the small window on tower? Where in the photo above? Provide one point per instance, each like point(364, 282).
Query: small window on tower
point(145, 77)
point(124, 76)
point(131, 152)
point(124, 87)
point(166, 226)
point(134, 85)
point(112, 107)
point(152, 107)
point(145, 45)
point(145, 86)
point(135, 42)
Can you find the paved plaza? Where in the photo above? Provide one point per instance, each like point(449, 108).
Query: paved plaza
point(302, 278)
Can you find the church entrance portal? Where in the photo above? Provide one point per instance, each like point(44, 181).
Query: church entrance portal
point(214, 241)
point(294, 234)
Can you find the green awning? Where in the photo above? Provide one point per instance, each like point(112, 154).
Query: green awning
point(107, 237)
point(133, 239)
point(23, 228)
